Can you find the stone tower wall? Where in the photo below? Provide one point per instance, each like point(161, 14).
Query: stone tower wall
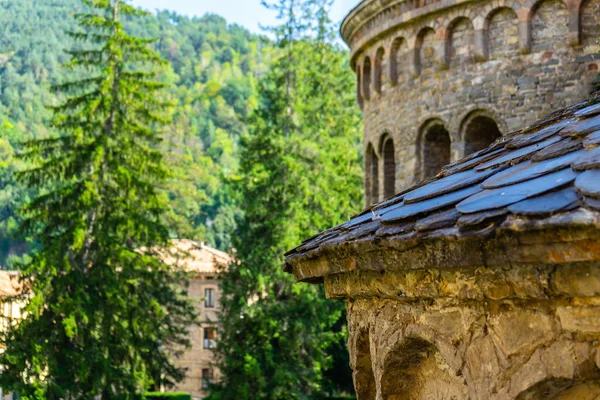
point(442, 79)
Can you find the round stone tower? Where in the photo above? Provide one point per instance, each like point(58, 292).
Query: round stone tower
point(439, 79)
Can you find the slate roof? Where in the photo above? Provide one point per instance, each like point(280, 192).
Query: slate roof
point(541, 176)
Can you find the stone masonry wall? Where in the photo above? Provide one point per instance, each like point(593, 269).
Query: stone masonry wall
point(512, 61)
point(527, 332)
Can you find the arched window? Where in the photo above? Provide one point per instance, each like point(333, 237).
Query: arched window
point(389, 168)
point(399, 61)
point(427, 52)
point(479, 132)
point(436, 148)
point(461, 43)
point(359, 96)
point(549, 26)
point(372, 176)
point(502, 33)
point(378, 69)
point(590, 23)
point(366, 78)
point(364, 380)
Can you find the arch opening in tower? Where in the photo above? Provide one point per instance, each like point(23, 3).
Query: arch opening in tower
point(480, 132)
point(436, 149)
point(389, 168)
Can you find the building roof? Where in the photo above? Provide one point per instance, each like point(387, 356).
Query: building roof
point(196, 257)
point(9, 283)
point(546, 176)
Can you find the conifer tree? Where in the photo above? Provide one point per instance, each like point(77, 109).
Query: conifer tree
point(104, 314)
point(300, 173)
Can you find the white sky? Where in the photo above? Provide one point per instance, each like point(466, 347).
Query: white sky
point(248, 13)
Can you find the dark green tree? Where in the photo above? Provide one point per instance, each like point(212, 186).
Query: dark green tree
point(102, 309)
point(214, 69)
point(300, 172)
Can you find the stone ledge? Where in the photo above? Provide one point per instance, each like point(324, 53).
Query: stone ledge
point(519, 282)
point(550, 246)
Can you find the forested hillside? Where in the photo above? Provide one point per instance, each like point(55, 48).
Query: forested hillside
point(214, 70)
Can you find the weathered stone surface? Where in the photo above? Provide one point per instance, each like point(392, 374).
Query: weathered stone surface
point(520, 331)
point(454, 350)
point(483, 368)
point(583, 320)
point(577, 280)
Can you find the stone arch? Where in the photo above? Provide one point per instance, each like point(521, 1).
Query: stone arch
point(478, 130)
point(460, 43)
point(562, 389)
point(359, 96)
point(426, 52)
point(589, 22)
point(502, 33)
point(366, 78)
point(415, 370)
point(388, 154)
point(364, 379)
point(399, 62)
point(372, 175)
point(378, 70)
point(434, 148)
point(549, 26)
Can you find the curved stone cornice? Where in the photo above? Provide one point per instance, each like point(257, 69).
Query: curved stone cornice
point(363, 12)
point(353, 25)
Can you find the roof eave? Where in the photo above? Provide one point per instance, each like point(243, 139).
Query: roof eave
point(566, 238)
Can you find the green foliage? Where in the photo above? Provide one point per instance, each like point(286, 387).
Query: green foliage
point(102, 306)
point(299, 173)
point(12, 194)
point(214, 69)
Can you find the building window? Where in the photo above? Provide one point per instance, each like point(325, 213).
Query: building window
point(461, 43)
point(207, 378)
point(210, 335)
point(480, 132)
point(210, 278)
point(389, 168)
point(399, 61)
point(427, 52)
point(372, 176)
point(359, 87)
point(379, 57)
point(209, 298)
point(436, 149)
point(366, 79)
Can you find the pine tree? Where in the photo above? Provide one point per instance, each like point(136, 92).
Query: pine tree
point(300, 173)
point(104, 314)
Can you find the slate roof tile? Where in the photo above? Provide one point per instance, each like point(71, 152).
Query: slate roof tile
point(480, 217)
point(517, 154)
point(588, 183)
point(582, 127)
point(553, 202)
point(545, 175)
point(589, 160)
point(592, 140)
point(528, 170)
point(557, 149)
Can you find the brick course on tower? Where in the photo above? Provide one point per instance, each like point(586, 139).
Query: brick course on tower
point(438, 80)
